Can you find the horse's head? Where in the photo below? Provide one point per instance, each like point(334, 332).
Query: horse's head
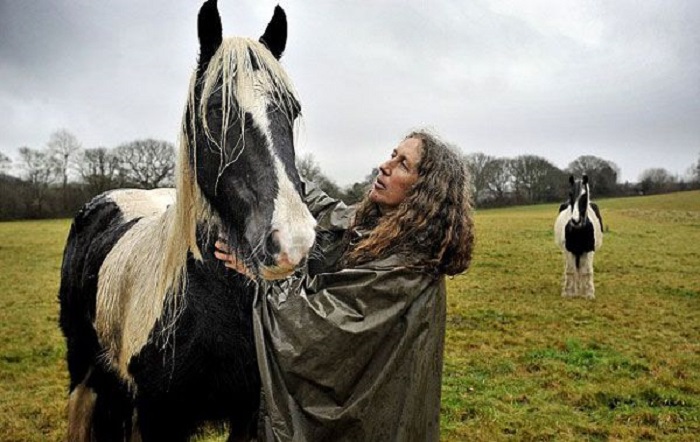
point(579, 195)
point(239, 129)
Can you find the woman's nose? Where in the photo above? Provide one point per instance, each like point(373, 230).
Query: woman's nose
point(384, 168)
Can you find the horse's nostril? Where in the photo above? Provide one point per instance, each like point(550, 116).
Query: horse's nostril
point(272, 244)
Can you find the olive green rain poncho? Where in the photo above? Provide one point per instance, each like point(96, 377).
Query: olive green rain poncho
point(350, 355)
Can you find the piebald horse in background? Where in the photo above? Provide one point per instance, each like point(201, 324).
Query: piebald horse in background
point(578, 231)
point(159, 333)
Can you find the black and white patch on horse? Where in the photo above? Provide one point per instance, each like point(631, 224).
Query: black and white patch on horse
point(159, 332)
point(578, 231)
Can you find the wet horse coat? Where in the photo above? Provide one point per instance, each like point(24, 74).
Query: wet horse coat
point(159, 333)
point(578, 231)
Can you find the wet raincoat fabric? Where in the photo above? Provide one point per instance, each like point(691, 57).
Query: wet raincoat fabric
point(354, 354)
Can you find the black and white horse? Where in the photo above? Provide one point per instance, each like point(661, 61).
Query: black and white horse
point(578, 231)
point(159, 333)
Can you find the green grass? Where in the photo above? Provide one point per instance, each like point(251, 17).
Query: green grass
point(33, 376)
point(521, 363)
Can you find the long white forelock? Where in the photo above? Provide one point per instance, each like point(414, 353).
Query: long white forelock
point(254, 90)
point(289, 206)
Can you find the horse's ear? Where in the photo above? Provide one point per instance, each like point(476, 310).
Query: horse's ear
point(275, 36)
point(585, 179)
point(571, 180)
point(209, 31)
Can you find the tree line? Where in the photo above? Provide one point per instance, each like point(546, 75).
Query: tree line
point(530, 179)
point(54, 182)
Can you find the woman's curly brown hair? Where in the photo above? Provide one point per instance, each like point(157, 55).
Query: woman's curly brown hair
point(434, 221)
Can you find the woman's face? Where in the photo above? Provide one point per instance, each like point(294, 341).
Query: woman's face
point(397, 175)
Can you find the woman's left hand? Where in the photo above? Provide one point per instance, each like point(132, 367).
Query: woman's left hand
point(223, 253)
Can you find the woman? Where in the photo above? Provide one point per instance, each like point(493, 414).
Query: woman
point(352, 350)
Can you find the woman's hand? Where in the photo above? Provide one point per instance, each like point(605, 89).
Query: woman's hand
point(223, 253)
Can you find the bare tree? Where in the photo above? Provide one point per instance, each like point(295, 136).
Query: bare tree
point(535, 178)
point(5, 163)
point(308, 167)
point(99, 169)
point(310, 170)
point(356, 191)
point(480, 168)
point(602, 174)
point(656, 180)
point(147, 163)
point(498, 178)
point(39, 171)
point(63, 147)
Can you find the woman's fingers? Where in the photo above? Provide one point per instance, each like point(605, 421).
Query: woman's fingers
point(222, 246)
point(222, 256)
point(229, 259)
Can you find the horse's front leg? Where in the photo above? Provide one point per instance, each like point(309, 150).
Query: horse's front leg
point(569, 287)
point(163, 421)
point(587, 286)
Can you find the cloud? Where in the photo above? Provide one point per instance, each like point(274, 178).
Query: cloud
point(619, 80)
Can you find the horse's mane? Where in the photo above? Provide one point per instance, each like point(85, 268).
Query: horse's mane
point(248, 66)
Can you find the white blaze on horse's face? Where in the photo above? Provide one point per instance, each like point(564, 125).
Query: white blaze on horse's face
point(292, 228)
point(576, 209)
point(579, 200)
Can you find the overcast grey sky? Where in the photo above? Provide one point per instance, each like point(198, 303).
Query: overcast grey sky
point(559, 79)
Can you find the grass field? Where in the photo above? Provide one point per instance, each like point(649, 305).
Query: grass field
point(521, 362)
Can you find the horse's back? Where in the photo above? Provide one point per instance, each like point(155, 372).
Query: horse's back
point(140, 203)
point(103, 220)
point(114, 208)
